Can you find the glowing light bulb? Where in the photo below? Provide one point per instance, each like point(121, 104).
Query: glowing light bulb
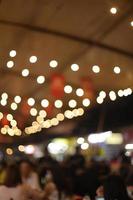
point(74, 67)
point(84, 146)
point(79, 92)
point(80, 140)
point(117, 70)
point(120, 93)
point(68, 89)
point(12, 53)
point(13, 123)
point(14, 106)
point(33, 59)
point(9, 117)
point(43, 113)
point(131, 23)
point(4, 96)
point(3, 102)
point(60, 117)
point(99, 100)
point(54, 122)
point(1, 115)
point(40, 79)
point(113, 10)
point(112, 95)
point(17, 99)
point(96, 69)
point(33, 111)
point(102, 94)
point(9, 151)
point(86, 102)
point(58, 103)
point(25, 72)
point(31, 101)
point(10, 64)
point(72, 103)
point(45, 103)
point(53, 63)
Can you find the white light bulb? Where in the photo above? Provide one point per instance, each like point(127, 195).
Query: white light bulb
point(58, 103)
point(17, 99)
point(4, 96)
point(68, 89)
point(68, 114)
point(25, 72)
point(80, 140)
point(12, 53)
point(9, 117)
point(84, 146)
point(13, 123)
point(99, 100)
point(120, 93)
point(60, 117)
point(74, 67)
point(53, 63)
point(117, 70)
point(112, 95)
point(45, 103)
point(96, 69)
point(102, 94)
point(14, 106)
point(80, 111)
point(43, 113)
point(33, 111)
point(113, 10)
point(54, 122)
point(79, 92)
point(40, 79)
point(31, 101)
point(33, 59)
point(86, 102)
point(72, 103)
point(10, 64)
point(3, 102)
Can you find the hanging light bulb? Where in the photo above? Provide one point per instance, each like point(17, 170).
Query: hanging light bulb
point(12, 53)
point(33, 59)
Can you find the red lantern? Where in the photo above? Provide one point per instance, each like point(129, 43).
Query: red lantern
point(88, 87)
point(57, 85)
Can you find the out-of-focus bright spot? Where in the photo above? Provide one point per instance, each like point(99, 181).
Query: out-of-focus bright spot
point(17, 99)
point(99, 137)
point(10, 64)
point(68, 89)
point(80, 111)
point(80, 92)
point(117, 70)
point(58, 103)
point(96, 69)
point(45, 103)
point(80, 140)
point(40, 119)
point(53, 63)
point(29, 149)
point(113, 10)
point(58, 146)
point(31, 101)
point(33, 111)
point(86, 102)
point(99, 100)
point(43, 113)
point(4, 96)
point(10, 132)
point(33, 59)
point(129, 147)
point(84, 146)
point(12, 53)
point(112, 95)
point(131, 23)
point(54, 122)
point(40, 79)
point(120, 93)
point(3, 102)
point(1, 115)
point(102, 94)
point(74, 67)
point(13, 123)
point(60, 117)
point(9, 151)
point(9, 117)
point(68, 114)
point(21, 148)
point(3, 130)
point(25, 72)
point(14, 106)
point(114, 139)
point(72, 103)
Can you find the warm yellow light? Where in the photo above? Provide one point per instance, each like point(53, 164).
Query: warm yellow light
point(117, 70)
point(45, 103)
point(102, 94)
point(14, 106)
point(99, 100)
point(12, 53)
point(58, 103)
point(13, 123)
point(21, 148)
point(60, 117)
point(3, 130)
point(17, 99)
point(68, 89)
point(120, 93)
point(112, 95)
point(68, 114)
point(10, 64)
point(113, 10)
point(4, 96)
point(40, 79)
point(96, 69)
point(43, 113)
point(33, 111)
point(39, 119)
point(74, 67)
point(3, 102)
point(9, 151)
point(80, 111)
point(80, 92)
point(86, 102)
point(33, 59)
point(72, 103)
point(10, 132)
point(54, 121)
point(25, 72)
point(31, 101)
point(84, 146)
point(9, 117)
point(53, 63)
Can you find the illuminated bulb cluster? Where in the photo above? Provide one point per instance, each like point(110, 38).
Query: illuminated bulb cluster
point(4, 98)
point(101, 97)
point(125, 92)
point(112, 95)
point(13, 131)
point(86, 102)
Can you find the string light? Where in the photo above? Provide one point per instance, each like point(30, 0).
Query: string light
point(60, 117)
point(120, 93)
point(42, 113)
point(31, 101)
point(33, 59)
point(17, 99)
point(12, 53)
point(25, 72)
point(14, 106)
point(102, 94)
point(9, 151)
point(79, 92)
point(3, 102)
point(80, 140)
point(10, 64)
point(45, 103)
point(72, 103)
point(99, 100)
point(1, 115)
point(84, 146)
point(112, 95)
point(58, 103)
point(113, 10)
point(40, 79)
point(74, 67)
point(9, 117)
point(86, 102)
point(68, 89)
point(117, 70)
point(33, 111)
point(53, 63)
point(21, 148)
point(96, 69)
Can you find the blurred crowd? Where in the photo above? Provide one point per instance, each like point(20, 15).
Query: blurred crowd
point(75, 178)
